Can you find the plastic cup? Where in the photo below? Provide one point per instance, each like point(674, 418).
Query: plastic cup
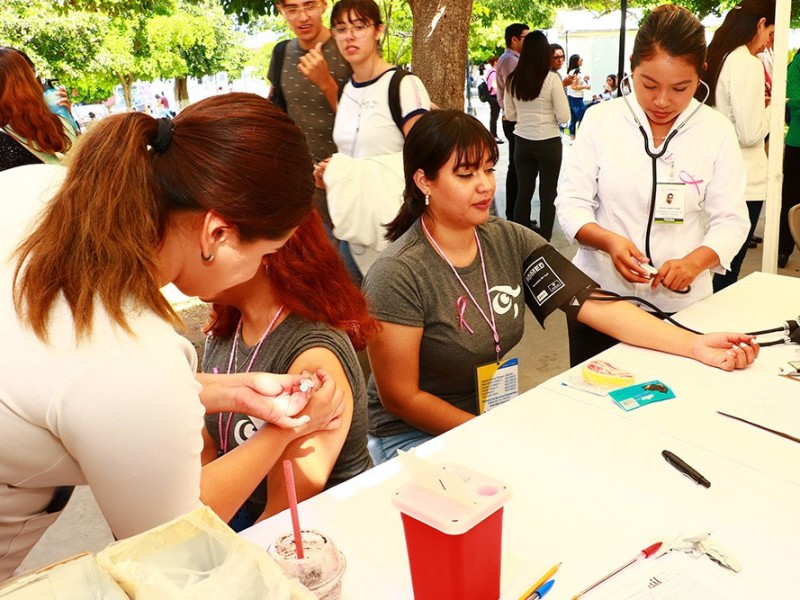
point(320, 570)
point(454, 549)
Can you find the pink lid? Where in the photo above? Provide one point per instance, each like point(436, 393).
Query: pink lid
point(453, 511)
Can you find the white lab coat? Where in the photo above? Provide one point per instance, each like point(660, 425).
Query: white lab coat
point(607, 180)
point(740, 97)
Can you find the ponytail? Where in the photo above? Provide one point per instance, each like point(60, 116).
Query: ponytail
point(99, 235)
point(412, 209)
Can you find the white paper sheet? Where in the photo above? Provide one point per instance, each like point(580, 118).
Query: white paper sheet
point(674, 576)
point(774, 404)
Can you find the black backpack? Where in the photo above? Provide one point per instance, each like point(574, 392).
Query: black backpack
point(483, 92)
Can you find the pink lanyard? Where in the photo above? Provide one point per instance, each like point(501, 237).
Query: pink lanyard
point(223, 439)
point(459, 303)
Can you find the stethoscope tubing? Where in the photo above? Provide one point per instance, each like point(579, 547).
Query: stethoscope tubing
point(654, 156)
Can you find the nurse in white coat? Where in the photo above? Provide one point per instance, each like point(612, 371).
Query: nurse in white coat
point(613, 198)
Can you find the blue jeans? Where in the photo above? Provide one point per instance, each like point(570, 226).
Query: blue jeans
point(576, 107)
point(382, 449)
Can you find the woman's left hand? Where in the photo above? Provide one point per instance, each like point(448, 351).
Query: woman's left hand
point(726, 351)
point(676, 274)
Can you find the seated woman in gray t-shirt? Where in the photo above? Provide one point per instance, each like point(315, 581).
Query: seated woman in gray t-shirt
point(449, 295)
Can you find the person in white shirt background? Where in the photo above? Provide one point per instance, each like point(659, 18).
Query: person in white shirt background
point(580, 82)
point(614, 202)
point(735, 77)
point(535, 99)
point(364, 127)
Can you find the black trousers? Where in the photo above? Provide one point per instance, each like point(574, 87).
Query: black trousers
point(540, 158)
point(720, 282)
point(494, 114)
point(511, 176)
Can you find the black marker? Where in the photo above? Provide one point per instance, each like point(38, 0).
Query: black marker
point(679, 464)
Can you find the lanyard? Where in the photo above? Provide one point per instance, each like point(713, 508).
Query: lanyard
point(223, 439)
point(489, 322)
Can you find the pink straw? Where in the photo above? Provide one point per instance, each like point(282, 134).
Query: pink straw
point(288, 475)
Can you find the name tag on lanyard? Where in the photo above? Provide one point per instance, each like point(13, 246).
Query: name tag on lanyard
point(670, 208)
point(497, 383)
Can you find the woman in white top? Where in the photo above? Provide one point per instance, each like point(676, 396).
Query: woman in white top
point(368, 122)
point(97, 387)
point(535, 99)
point(614, 200)
point(735, 78)
point(580, 82)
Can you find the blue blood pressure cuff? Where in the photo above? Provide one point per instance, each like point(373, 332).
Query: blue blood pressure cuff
point(551, 281)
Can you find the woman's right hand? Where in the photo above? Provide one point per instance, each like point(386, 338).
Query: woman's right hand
point(628, 259)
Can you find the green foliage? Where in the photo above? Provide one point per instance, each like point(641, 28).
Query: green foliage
point(93, 45)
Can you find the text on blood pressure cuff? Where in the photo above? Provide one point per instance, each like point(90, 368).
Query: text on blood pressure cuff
point(551, 281)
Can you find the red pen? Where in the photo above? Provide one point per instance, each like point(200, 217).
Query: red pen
point(646, 553)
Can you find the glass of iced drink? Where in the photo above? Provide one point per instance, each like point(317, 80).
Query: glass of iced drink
point(320, 570)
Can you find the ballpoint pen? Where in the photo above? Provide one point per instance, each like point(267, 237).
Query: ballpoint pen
point(540, 582)
point(646, 553)
point(684, 468)
point(539, 593)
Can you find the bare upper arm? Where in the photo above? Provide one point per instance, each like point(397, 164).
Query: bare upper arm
point(394, 358)
point(313, 456)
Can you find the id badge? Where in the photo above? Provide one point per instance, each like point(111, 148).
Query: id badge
point(670, 206)
point(497, 383)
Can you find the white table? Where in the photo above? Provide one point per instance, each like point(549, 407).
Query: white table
point(590, 486)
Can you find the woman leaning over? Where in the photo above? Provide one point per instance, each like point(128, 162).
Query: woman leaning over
point(448, 292)
point(535, 99)
point(30, 133)
point(288, 319)
point(97, 387)
point(735, 78)
point(615, 203)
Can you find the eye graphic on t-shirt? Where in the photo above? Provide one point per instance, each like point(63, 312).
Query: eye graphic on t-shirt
point(246, 428)
point(503, 299)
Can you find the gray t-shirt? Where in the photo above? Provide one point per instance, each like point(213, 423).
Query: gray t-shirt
point(305, 102)
point(411, 285)
point(293, 336)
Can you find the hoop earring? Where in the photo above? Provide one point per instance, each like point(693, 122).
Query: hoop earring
point(205, 258)
point(427, 199)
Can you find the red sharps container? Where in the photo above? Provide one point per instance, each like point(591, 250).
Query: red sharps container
point(454, 533)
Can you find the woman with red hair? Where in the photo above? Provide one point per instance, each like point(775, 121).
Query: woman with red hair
point(300, 313)
point(29, 132)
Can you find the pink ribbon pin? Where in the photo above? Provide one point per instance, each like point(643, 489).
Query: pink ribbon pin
point(461, 305)
point(688, 179)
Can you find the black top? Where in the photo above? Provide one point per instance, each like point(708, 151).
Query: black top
point(13, 154)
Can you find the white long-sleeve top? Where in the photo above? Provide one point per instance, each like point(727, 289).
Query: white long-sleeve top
point(740, 97)
point(607, 179)
point(117, 411)
point(538, 119)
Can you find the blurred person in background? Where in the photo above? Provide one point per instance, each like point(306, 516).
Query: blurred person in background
point(535, 99)
point(30, 133)
point(737, 88)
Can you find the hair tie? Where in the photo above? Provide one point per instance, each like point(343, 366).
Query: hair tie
point(164, 135)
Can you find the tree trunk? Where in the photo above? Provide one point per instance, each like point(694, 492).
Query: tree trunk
point(439, 51)
point(127, 90)
point(181, 90)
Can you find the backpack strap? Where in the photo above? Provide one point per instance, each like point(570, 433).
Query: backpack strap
point(394, 97)
point(278, 56)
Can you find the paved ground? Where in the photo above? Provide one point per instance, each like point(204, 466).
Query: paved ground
point(542, 354)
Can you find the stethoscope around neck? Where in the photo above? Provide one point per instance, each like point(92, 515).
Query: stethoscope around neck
point(654, 156)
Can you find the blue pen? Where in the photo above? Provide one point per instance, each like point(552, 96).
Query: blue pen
point(542, 590)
